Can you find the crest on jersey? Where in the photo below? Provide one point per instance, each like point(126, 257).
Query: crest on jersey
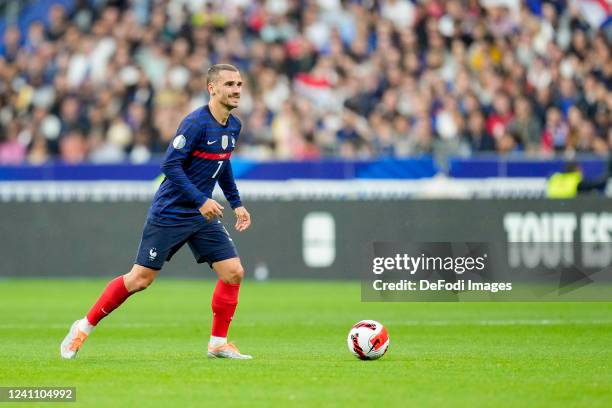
point(224, 141)
point(233, 142)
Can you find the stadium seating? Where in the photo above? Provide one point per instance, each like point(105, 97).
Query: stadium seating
point(108, 81)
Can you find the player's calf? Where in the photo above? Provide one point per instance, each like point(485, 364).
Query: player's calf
point(224, 302)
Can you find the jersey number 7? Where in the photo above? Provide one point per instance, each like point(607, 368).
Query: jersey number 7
point(218, 168)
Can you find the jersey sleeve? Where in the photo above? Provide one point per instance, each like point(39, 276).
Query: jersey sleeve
point(228, 185)
point(178, 152)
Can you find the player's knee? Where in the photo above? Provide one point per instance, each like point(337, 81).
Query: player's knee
point(234, 275)
point(139, 279)
point(141, 283)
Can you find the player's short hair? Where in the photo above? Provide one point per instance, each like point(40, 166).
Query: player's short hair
point(213, 72)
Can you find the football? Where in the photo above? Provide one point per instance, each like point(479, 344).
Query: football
point(368, 340)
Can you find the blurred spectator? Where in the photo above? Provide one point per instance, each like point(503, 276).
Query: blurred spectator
point(9, 48)
point(526, 125)
point(73, 148)
point(109, 81)
point(478, 137)
point(555, 136)
point(500, 116)
point(12, 151)
point(510, 142)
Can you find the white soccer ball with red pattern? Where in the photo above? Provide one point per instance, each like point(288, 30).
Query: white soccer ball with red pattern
point(368, 340)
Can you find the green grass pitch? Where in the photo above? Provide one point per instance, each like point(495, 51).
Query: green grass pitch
point(151, 352)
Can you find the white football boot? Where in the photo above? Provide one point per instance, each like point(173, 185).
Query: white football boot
point(73, 341)
point(227, 350)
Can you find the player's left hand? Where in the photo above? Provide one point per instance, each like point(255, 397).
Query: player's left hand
point(243, 219)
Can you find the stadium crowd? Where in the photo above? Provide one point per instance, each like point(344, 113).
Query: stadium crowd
point(108, 81)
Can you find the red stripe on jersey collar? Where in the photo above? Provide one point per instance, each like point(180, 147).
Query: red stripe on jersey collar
point(212, 156)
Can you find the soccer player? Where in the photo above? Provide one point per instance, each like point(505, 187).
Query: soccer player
point(183, 211)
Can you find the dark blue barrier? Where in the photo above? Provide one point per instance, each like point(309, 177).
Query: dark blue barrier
point(80, 172)
point(404, 169)
point(396, 169)
point(243, 169)
point(337, 170)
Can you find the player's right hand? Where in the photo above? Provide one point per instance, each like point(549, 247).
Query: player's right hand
point(211, 210)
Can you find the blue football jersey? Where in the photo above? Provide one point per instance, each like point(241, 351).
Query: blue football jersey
point(197, 158)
